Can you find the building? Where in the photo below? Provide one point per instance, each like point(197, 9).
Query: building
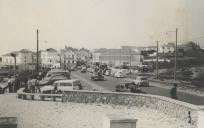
point(84, 55)
point(68, 57)
point(139, 49)
point(50, 58)
point(116, 57)
point(167, 48)
point(25, 59)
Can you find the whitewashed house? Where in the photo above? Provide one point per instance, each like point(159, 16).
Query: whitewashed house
point(50, 58)
point(68, 57)
point(25, 59)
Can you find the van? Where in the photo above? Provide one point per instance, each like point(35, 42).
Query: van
point(63, 85)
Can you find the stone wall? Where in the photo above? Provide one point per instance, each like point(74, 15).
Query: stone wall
point(180, 110)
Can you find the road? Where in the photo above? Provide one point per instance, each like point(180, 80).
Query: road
point(109, 85)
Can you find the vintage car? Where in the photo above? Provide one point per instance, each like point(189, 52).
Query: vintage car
point(141, 81)
point(83, 70)
point(97, 76)
point(54, 75)
point(128, 87)
point(119, 74)
point(62, 86)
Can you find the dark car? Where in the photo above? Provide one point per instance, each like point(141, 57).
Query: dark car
point(51, 80)
point(97, 76)
point(128, 87)
point(83, 70)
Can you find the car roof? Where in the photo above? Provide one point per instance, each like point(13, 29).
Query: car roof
point(141, 76)
point(125, 82)
point(66, 80)
point(57, 70)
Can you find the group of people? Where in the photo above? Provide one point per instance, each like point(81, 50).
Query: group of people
point(33, 86)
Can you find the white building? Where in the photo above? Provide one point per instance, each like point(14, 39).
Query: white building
point(166, 48)
point(25, 59)
point(116, 57)
point(84, 55)
point(50, 58)
point(68, 57)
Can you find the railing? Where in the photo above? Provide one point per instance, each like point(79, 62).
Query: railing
point(38, 96)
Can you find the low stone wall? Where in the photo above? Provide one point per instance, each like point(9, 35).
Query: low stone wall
point(37, 96)
point(180, 110)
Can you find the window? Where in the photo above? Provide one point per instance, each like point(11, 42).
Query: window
point(66, 84)
point(143, 78)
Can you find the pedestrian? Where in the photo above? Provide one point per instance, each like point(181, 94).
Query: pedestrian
point(173, 92)
point(10, 86)
point(132, 90)
point(37, 85)
point(29, 85)
point(55, 90)
point(33, 86)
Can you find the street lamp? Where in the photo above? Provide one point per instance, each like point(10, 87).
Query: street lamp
point(175, 54)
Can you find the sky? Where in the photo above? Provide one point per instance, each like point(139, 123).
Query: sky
point(98, 23)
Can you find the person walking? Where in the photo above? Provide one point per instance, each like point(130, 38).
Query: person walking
point(37, 85)
point(173, 92)
point(29, 84)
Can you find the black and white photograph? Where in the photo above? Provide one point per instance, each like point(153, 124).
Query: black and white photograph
point(101, 64)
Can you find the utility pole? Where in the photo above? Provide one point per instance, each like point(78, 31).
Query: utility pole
point(130, 61)
point(175, 54)
point(37, 66)
point(120, 58)
point(157, 60)
point(14, 56)
point(175, 59)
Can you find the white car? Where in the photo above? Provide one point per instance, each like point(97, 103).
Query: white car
point(142, 81)
point(62, 85)
point(108, 73)
point(119, 75)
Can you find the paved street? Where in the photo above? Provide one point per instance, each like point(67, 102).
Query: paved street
point(109, 85)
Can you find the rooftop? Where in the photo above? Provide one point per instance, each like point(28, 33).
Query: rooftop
point(20, 51)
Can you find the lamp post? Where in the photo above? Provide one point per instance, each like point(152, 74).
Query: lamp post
point(175, 53)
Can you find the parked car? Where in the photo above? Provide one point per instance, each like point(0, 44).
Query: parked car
point(113, 72)
point(54, 75)
point(83, 70)
point(62, 85)
point(142, 81)
point(128, 87)
point(58, 72)
point(73, 68)
point(119, 74)
point(97, 76)
point(51, 80)
point(108, 72)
